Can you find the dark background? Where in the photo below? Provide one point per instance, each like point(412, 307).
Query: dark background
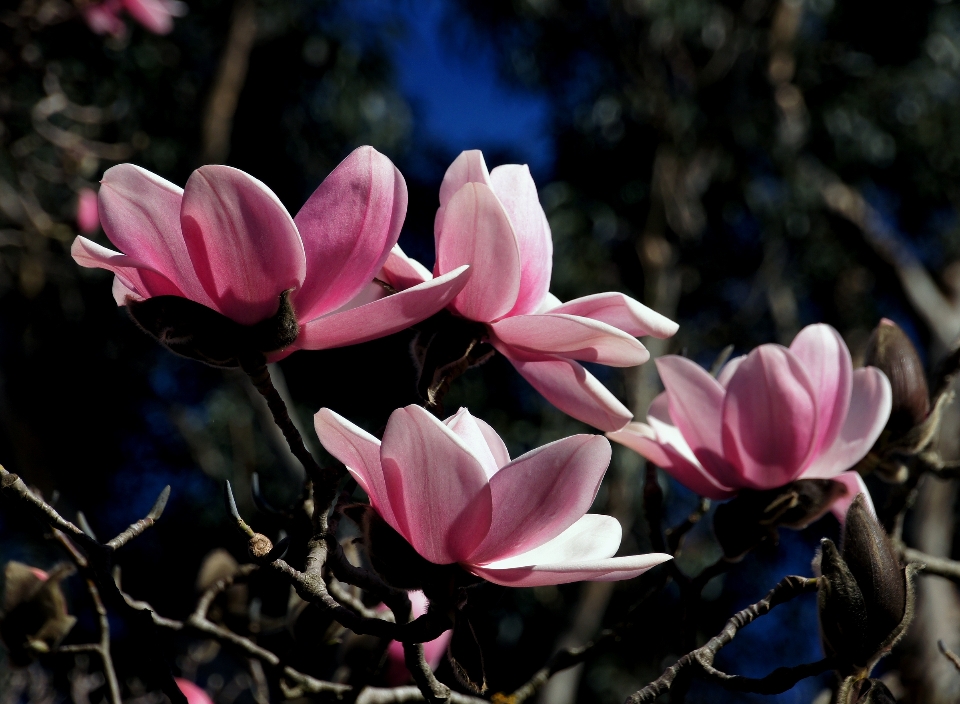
point(701, 156)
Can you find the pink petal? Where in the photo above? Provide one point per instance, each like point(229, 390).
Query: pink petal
point(122, 293)
point(242, 242)
point(582, 552)
point(695, 403)
point(360, 452)
point(571, 336)
point(140, 213)
point(88, 211)
point(569, 387)
point(494, 442)
point(541, 494)
point(870, 403)
point(514, 186)
point(466, 427)
point(551, 303)
point(134, 275)
point(193, 693)
point(769, 418)
point(433, 651)
point(855, 486)
point(827, 360)
point(437, 488)
point(642, 438)
point(102, 18)
point(348, 227)
point(401, 272)
point(729, 369)
point(621, 312)
point(468, 167)
point(154, 15)
point(382, 317)
point(475, 230)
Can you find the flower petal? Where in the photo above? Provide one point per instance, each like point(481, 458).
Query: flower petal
point(870, 403)
point(569, 387)
point(140, 214)
point(468, 430)
point(402, 272)
point(769, 418)
point(468, 167)
point(729, 369)
point(438, 489)
point(134, 275)
point(855, 486)
point(348, 227)
point(621, 312)
point(695, 405)
point(243, 243)
point(541, 494)
point(514, 186)
point(826, 358)
point(382, 317)
point(154, 15)
point(475, 230)
point(497, 448)
point(360, 452)
point(672, 455)
point(571, 336)
point(582, 552)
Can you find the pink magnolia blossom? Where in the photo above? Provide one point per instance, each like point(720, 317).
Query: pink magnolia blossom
point(155, 15)
point(450, 489)
point(772, 416)
point(227, 242)
point(494, 222)
point(88, 214)
point(397, 672)
point(193, 693)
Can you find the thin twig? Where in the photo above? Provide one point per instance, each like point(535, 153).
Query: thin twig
point(949, 654)
point(786, 589)
point(676, 534)
point(140, 526)
point(940, 566)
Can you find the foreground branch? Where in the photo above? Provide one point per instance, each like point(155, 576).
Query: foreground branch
point(778, 681)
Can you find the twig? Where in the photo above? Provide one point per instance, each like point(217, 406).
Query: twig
point(140, 526)
point(786, 589)
point(940, 566)
point(676, 534)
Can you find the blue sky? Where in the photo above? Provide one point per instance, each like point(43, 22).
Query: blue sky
point(459, 99)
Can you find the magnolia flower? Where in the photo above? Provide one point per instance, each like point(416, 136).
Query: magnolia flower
point(494, 222)
point(155, 15)
point(88, 213)
point(397, 672)
point(450, 489)
point(771, 417)
point(227, 242)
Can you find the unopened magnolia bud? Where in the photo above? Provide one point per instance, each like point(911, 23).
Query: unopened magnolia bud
point(192, 330)
point(35, 617)
point(890, 350)
point(863, 593)
point(753, 517)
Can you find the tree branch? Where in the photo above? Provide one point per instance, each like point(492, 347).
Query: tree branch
point(786, 589)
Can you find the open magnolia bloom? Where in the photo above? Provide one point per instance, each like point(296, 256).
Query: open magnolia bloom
point(225, 241)
point(450, 489)
point(771, 417)
point(494, 222)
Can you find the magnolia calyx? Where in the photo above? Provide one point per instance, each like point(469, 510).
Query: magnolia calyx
point(753, 517)
point(195, 331)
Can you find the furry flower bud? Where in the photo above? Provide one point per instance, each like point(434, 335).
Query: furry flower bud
point(865, 599)
point(890, 350)
point(35, 617)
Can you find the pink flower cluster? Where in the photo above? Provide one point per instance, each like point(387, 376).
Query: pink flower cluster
point(155, 15)
point(493, 221)
point(772, 416)
point(226, 241)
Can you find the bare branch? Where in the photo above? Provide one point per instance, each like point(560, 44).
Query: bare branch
point(786, 589)
point(140, 526)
